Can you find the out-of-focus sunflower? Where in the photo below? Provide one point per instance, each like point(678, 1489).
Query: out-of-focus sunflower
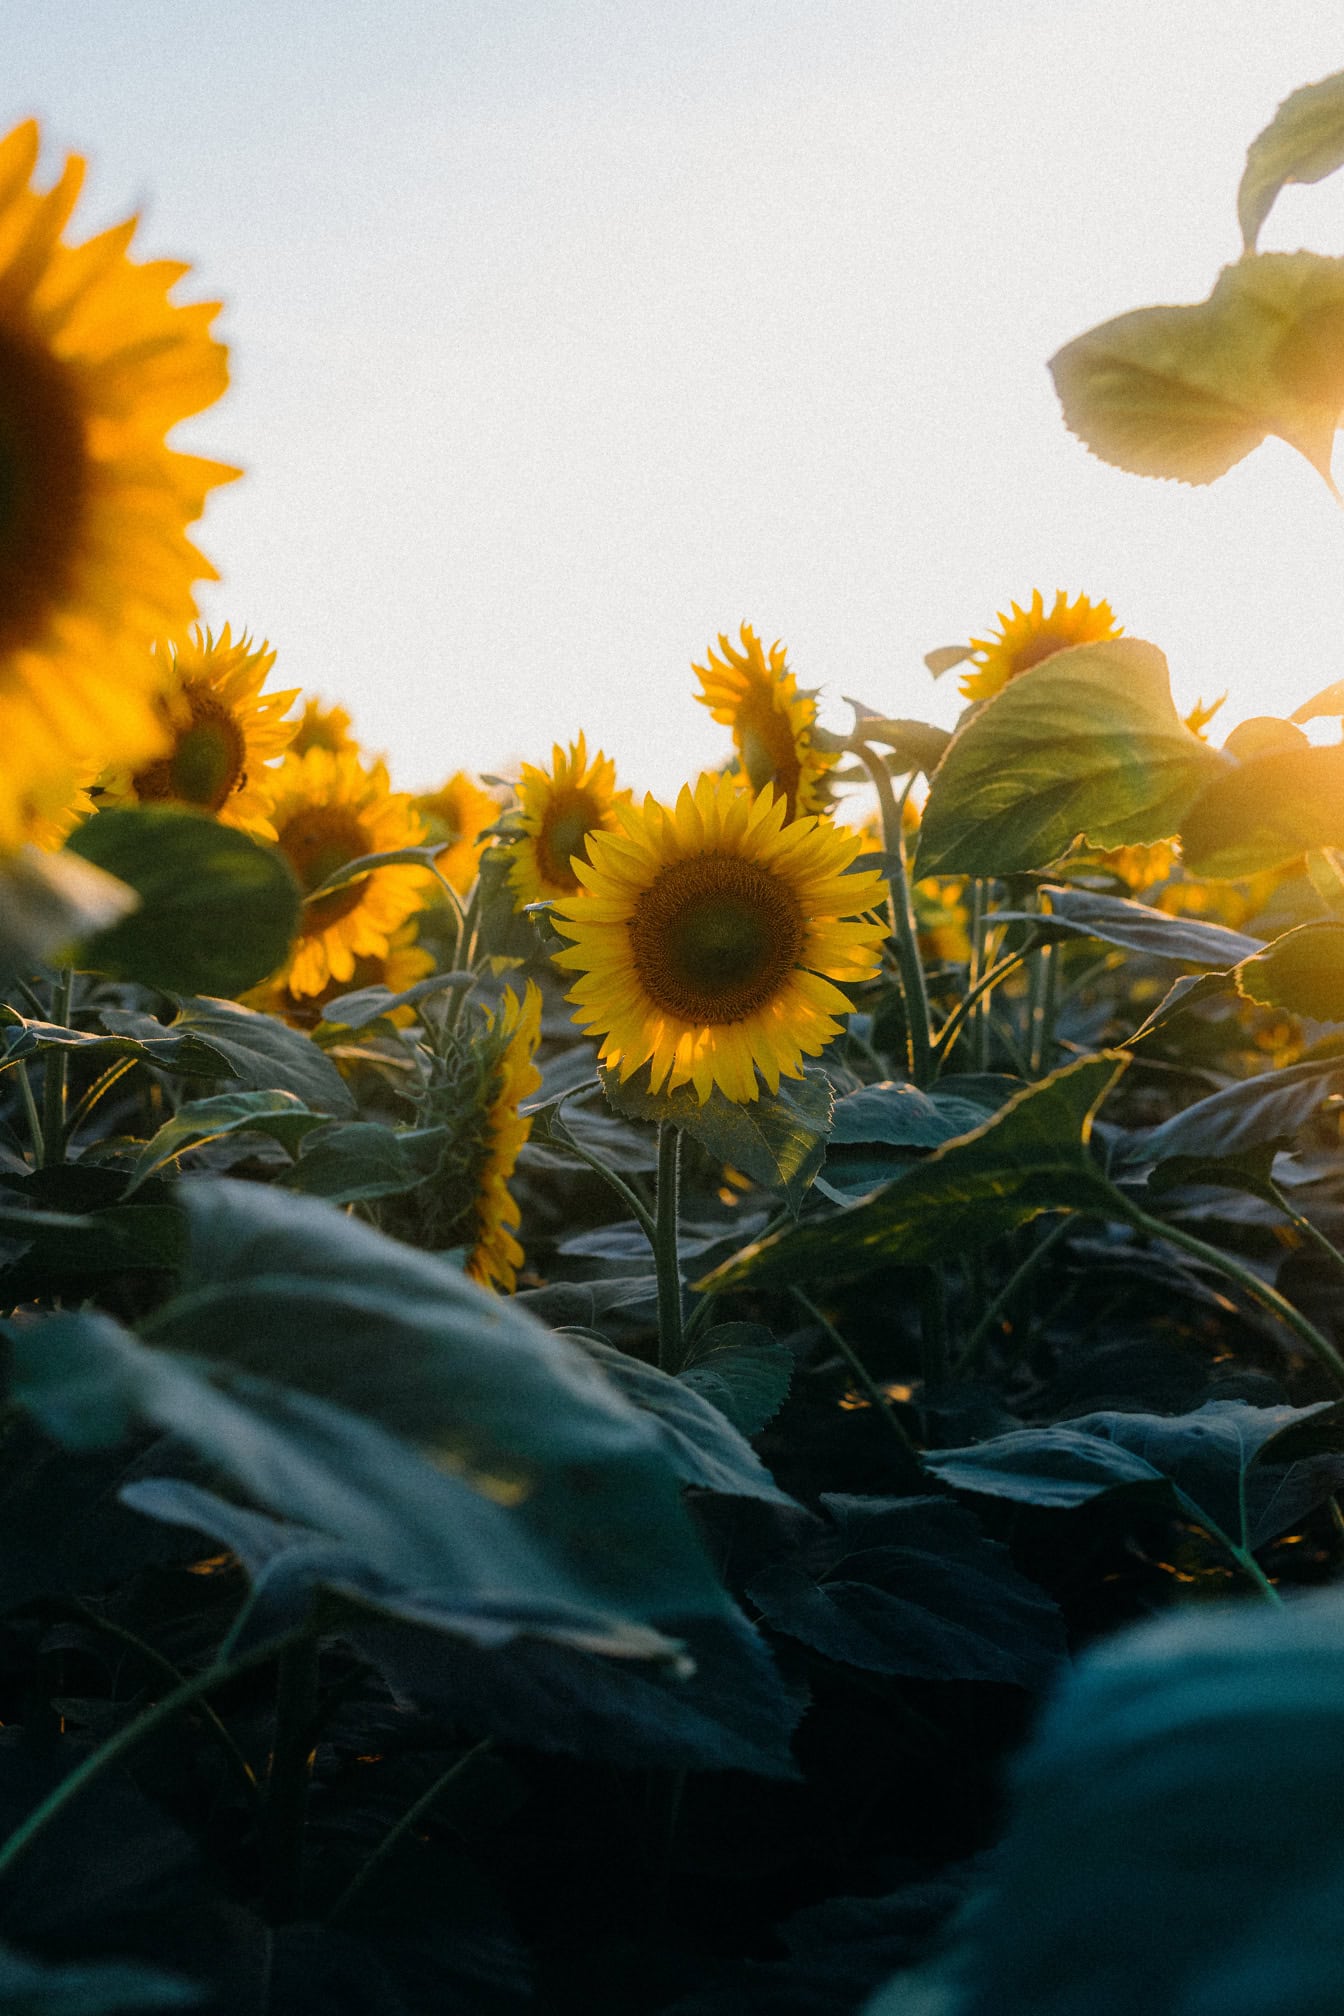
point(510, 1041)
point(328, 810)
point(772, 722)
point(559, 809)
point(404, 962)
point(96, 365)
point(1027, 637)
point(323, 727)
point(224, 729)
point(458, 814)
point(708, 938)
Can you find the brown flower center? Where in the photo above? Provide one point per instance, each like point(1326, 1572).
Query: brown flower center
point(208, 759)
point(713, 938)
point(44, 484)
point(318, 840)
point(566, 823)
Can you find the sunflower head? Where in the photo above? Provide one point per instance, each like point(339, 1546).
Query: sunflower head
point(1028, 636)
point(558, 810)
point(772, 722)
point(96, 365)
point(222, 730)
point(458, 814)
point(400, 967)
point(482, 1073)
point(707, 939)
point(326, 811)
point(323, 727)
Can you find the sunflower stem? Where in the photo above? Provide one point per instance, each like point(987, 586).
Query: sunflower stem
point(287, 1786)
point(979, 1020)
point(919, 1044)
point(54, 1076)
point(671, 1345)
point(33, 1116)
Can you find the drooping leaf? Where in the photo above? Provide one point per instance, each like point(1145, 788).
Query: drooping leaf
point(279, 1115)
point(778, 1140)
point(180, 1051)
point(702, 1445)
point(265, 1054)
point(901, 1116)
point(1030, 1157)
point(743, 1371)
point(912, 1586)
point(1266, 812)
point(353, 1159)
point(1303, 972)
point(916, 745)
point(1187, 391)
point(217, 909)
point(1183, 995)
point(1184, 1782)
point(48, 902)
point(1303, 142)
point(1242, 1117)
point(1137, 927)
point(1086, 743)
point(946, 658)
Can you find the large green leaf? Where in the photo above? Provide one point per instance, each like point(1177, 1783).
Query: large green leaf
point(217, 910)
point(264, 1054)
point(353, 1159)
point(1137, 927)
point(1087, 743)
point(279, 1115)
point(1265, 812)
point(1032, 1156)
point(48, 902)
point(1187, 391)
point(1303, 142)
point(291, 1289)
point(743, 1371)
point(1303, 972)
point(778, 1140)
point(1248, 1115)
point(1176, 1843)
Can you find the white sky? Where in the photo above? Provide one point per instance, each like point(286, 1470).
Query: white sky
point(567, 333)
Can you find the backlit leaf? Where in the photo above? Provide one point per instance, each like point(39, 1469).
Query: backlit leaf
point(778, 1140)
point(1266, 812)
point(1303, 142)
point(1303, 972)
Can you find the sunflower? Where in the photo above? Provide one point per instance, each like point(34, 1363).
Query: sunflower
point(323, 727)
point(707, 939)
point(398, 968)
point(510, 1041)
point(1028, 636)
point(772, 722)
point(559, 809)
point(458, 814)
point(96, 364)
point(328, 810)
point(223, 729)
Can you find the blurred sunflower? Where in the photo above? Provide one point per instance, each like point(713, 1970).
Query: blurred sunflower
point(458, 814)
point(223, 730)
point(707, 939)
point(323, 727)
point(328, 810)
point(772, 722)
point(558, 810)
point(404, 962)
point(1027, 637)
point(510, 1040)
point(96, 365)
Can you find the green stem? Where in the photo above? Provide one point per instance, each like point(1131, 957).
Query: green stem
point(979, 1020)
point(903, 926)
point(911, 1467)
point(628, 1195)
point(1304, 1225)
point(287, 1784)
point(34, 1117)
point(99, 1088)
point(975, 1343)
point(1320, 1347)
point(974, 996)
point(116, 1747)
point(671, 1347)
point(401, 1828)
point(54, 1077)
point(1042, 1028)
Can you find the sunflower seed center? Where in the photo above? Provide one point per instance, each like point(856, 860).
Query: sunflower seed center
point(713, 938)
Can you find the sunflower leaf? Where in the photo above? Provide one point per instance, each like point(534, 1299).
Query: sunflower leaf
point(1087, 742)
point(1265, 812)
point(1303, 142)
point(779, 1140)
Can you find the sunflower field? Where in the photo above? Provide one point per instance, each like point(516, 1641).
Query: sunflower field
point(725, 1406)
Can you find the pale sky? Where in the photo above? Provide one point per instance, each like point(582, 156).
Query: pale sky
point(568, 333)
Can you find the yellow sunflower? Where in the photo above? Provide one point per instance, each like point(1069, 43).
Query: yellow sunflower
point(323, 727)
point(772, 722)
point(400, 967)
point(458, 814)
point(559, 808)
point(512, 1038)
point(1028, 636)
point(96, 365)
point(707, 939)
point(223, 730)
point(328, 810)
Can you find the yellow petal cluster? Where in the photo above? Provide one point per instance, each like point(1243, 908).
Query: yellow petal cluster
point(323, 727)
point(515, 1031)
point(458, 814)
point(559, 809)
point(772, 722)
point(1027, 637)
point(708, 938)
point(97, 363)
